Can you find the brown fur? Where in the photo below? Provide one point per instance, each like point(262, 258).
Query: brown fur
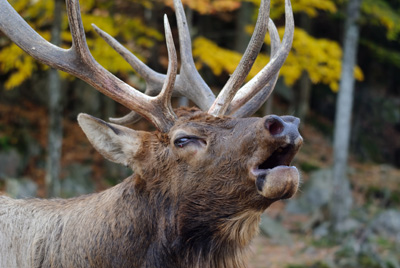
point(195, 206)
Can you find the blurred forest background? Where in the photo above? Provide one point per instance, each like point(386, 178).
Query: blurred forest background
point(347, 213)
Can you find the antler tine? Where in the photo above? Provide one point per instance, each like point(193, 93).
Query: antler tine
point(79, 62)
point(164, 98)
point(193, 85)
point(202, 96)
point(188, 83)
point(129, 118)
point(154, 80)
point(245, 104)
point(265, 80)
point(227, 93)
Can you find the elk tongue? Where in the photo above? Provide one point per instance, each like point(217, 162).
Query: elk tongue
point(278, 183)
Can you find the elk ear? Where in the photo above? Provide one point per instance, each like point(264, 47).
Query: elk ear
point(116, 143)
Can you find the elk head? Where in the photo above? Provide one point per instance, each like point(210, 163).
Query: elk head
point(212, 161)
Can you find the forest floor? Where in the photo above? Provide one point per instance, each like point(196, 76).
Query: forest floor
point(267, 255)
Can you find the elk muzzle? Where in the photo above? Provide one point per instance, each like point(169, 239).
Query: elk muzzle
point(275, 178)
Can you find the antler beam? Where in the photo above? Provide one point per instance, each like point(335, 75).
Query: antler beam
point(245, 104)
point(265, 80)
point(227, 93)
point(79, 62)
point(188, 83)
point(232, 100)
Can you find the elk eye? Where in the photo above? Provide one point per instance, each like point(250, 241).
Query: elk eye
point(180, 142)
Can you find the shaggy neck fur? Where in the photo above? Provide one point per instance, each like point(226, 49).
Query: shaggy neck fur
point(116, 228)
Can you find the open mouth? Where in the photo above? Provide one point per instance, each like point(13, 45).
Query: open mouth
point(275, 178)
point(282, 156)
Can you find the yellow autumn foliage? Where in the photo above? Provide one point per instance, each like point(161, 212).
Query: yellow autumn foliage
point(221, 60)
point(39, 14)
point(310, 7)
point(13, 58)
point(380, 13)
point(320, 58)
point(209, 6)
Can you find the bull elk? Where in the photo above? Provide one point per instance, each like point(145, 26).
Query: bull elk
point(201, 180)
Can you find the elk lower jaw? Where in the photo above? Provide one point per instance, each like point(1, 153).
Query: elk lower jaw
point(275, 178)
point(280, 182)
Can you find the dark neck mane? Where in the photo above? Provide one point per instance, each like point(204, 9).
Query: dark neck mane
point(189, 234)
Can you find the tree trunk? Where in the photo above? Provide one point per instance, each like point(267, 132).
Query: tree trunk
point(341, 199)
point(301, 101)
point(268, 105)
point(245, 14)
point(55, 133)
point(304, 98)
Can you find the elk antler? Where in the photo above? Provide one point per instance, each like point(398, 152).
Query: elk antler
point(188, 83)
point(233, 101)
point(251, 106)
point(265, 79)
point(252, 95)
point(227, 93)
point(79, 62)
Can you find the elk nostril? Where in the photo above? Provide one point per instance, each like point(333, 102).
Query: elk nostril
point(274, 125)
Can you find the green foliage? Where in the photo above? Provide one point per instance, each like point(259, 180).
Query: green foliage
point(5, 143)
point(308, 167)
point(325, 242)
point(318, 264)
point(383, 54)
point(383, 196)
point(374, 252)
point(382, 15)
point(379, 12)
